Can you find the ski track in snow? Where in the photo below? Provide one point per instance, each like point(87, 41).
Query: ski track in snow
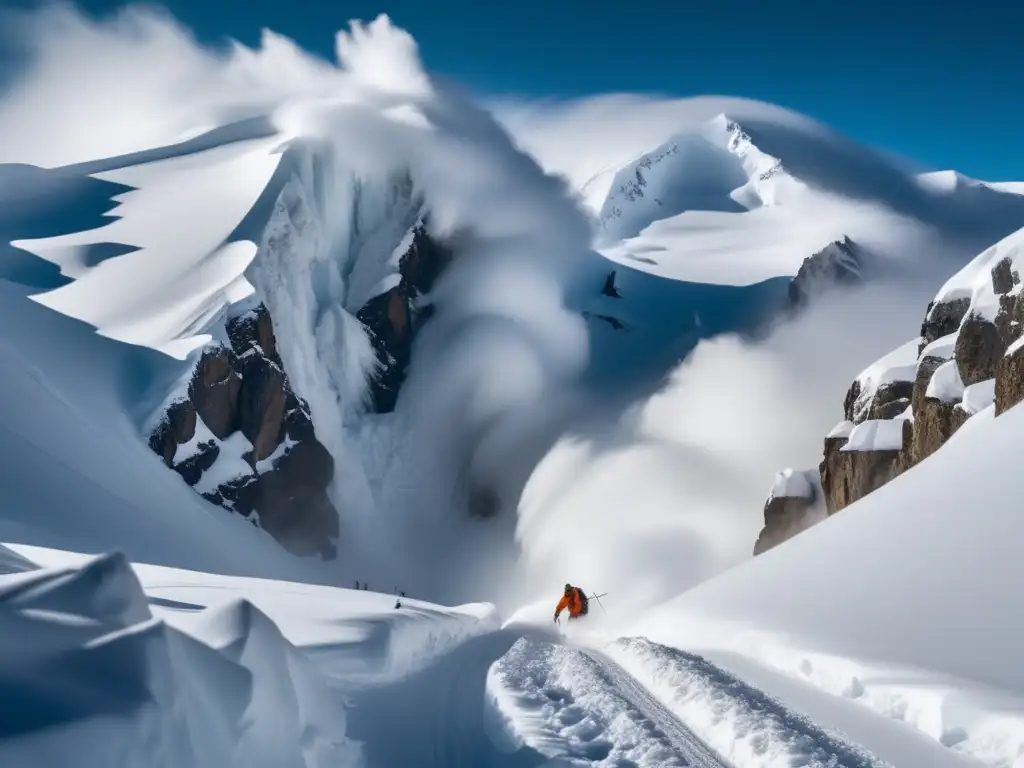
point(686, 742)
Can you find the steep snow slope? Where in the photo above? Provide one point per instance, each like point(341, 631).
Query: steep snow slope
point(926, 632)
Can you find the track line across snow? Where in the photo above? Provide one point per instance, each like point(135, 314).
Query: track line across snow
point(686, 742)
point(745, 724)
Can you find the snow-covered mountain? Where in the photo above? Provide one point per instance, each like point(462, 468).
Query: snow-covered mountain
point(279, 325)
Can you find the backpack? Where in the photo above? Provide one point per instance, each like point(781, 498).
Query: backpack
point(584, 602)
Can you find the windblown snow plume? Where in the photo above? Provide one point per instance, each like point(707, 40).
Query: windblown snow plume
point(649, 503)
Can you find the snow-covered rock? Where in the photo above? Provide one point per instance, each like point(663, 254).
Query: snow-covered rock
point(908, 404)
point(393, 316)
point(838, 263)
point(245, 441)
point(883, 389)
point(795, 502)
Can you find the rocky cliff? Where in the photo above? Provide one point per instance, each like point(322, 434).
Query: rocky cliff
point(393, 316)
point(242, 438)
point(968, 359)
point(838, 263)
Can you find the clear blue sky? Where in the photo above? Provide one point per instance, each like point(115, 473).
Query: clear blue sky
point(941, 83)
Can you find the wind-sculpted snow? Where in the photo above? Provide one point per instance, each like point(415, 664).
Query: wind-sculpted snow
point(145, 665)
point(88, 671)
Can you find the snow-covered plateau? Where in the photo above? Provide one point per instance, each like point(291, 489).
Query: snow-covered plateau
point(321, 379)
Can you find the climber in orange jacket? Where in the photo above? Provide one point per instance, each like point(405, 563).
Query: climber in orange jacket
point(575, 600)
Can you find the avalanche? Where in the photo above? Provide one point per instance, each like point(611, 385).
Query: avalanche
point(602, 375)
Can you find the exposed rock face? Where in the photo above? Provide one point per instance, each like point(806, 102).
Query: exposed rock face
point(393, 317)
point(244, 389)
point(177, 426)
point(794, 504)
point(784, 518)
point(934, 423)
point(388, 318)
point(214, 390)
point(891, 400)
point(838, 263)
point(942, 319)
point(847, 476)
point(1010, 380)
point(978, 349)
point(1004, 276)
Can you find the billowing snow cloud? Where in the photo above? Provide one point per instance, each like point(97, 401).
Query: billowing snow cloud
point(501, 343)
point(650, 502)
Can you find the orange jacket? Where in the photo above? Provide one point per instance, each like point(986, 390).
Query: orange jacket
point(573, 601)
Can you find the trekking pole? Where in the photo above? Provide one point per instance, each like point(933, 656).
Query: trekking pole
point(598, 598)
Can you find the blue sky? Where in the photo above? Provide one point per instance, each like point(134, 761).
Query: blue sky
point(939, 83)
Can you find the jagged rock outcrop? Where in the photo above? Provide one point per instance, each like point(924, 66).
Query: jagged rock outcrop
point(393, 317)
point(241, 409)
point(793, 505)
point(969, 357)
point(838, 263)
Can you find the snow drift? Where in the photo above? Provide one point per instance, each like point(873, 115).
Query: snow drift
point(137, 664)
